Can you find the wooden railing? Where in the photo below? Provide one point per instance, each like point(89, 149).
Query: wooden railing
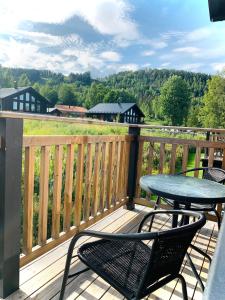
point(70, 182)
point(159, 155)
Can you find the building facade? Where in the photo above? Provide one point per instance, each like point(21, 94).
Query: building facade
point(23, 99)
point(117, 112)
point(68, 111)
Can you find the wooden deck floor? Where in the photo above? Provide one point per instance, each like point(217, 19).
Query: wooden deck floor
point(42, 278)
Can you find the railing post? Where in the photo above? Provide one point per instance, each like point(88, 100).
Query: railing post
point(11, 133)
point(132, 169)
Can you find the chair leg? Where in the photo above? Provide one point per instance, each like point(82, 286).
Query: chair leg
point(184, 286)
point(157, 203)
point(67, 266)
point(218, 218)
point(197, 276)
point(202, 253)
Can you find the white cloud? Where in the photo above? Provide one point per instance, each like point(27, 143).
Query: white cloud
point(112, 68)
point(188, 50)
point(194, 67)
point(106, 16)
point(218, 66)
point(166, 64)
point(110, 56)
point(199, 34)
point(128, 67)
point(157, 44)
point(148, 53)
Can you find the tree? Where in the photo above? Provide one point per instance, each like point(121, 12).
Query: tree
point(95, 95)
point(117, 96)
point(175, 100)
point(49, 93)
point(66, 95)
point(213, 112)
point(24, 80)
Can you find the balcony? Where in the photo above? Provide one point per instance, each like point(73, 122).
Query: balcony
point(70, 183)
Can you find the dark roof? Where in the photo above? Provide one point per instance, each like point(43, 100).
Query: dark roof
point(71, 108)
point(5, 92)
point(8, 92)
point(112, 108)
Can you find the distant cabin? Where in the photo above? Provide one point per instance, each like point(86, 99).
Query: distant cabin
point(68, 111)
point(23, 99)
point(121, 112)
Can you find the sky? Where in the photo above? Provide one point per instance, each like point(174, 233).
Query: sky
point(109, 36)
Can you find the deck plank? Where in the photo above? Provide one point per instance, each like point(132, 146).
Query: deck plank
point(41, 279)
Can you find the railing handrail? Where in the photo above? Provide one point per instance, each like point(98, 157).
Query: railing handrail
point(28, 116)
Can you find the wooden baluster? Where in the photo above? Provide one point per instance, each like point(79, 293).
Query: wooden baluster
point(68, 187)
point(150, 158)
point(173, 159)
point(87, 195)
point(28, 200)
point(197, 160)
point(211, 157)
point(139, 168)
point(57, 189)
point(110, 174)
point(79, 183)
point(114, 173)
point(185, 158)
point(103, 177)
point(126, 169)
point(43, 202)
point(95, 202)
point(121, 171)
point(161, 157)
point(117, 171)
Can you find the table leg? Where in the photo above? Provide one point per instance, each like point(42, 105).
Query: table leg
point(175, 217)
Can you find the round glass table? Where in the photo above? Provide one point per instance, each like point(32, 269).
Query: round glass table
point(184, 189)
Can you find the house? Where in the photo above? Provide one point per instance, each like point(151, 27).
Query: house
point(68, 111)
point(23, 99)
point(121, 112)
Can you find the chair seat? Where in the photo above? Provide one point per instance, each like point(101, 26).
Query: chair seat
point(121, 263)
point(193, 205)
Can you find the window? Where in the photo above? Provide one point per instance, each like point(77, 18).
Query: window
point(21, 97)
point(38, 108)
point(15, 105)
point(21, 106)
point(27, 107)
point(32, 107)
point(32, 99)
point(27, 97)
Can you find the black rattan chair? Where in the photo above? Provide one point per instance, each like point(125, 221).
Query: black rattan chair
point(131, 266)
point(209, 173)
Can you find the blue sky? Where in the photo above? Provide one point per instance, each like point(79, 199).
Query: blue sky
point(108, 36)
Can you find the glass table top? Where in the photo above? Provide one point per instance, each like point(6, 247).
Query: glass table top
point(184, 188)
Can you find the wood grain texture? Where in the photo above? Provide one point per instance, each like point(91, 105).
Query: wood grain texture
point(161, 157)
point(43, 198)
point(139, 168)
point(57, 190)
point(28, 199)
point(173, 159)
point(185, 157)
point(197, 160)
point(88, 180)
point(79, 184)
point(95, 202)
point(68, 187)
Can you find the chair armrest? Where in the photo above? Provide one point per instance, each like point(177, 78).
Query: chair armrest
point(120, 236)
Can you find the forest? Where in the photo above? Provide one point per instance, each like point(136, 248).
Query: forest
point(167, 96)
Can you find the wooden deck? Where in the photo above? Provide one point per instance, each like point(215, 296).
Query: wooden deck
point(41, 279)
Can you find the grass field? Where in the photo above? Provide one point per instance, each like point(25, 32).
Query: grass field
point(59, 128)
